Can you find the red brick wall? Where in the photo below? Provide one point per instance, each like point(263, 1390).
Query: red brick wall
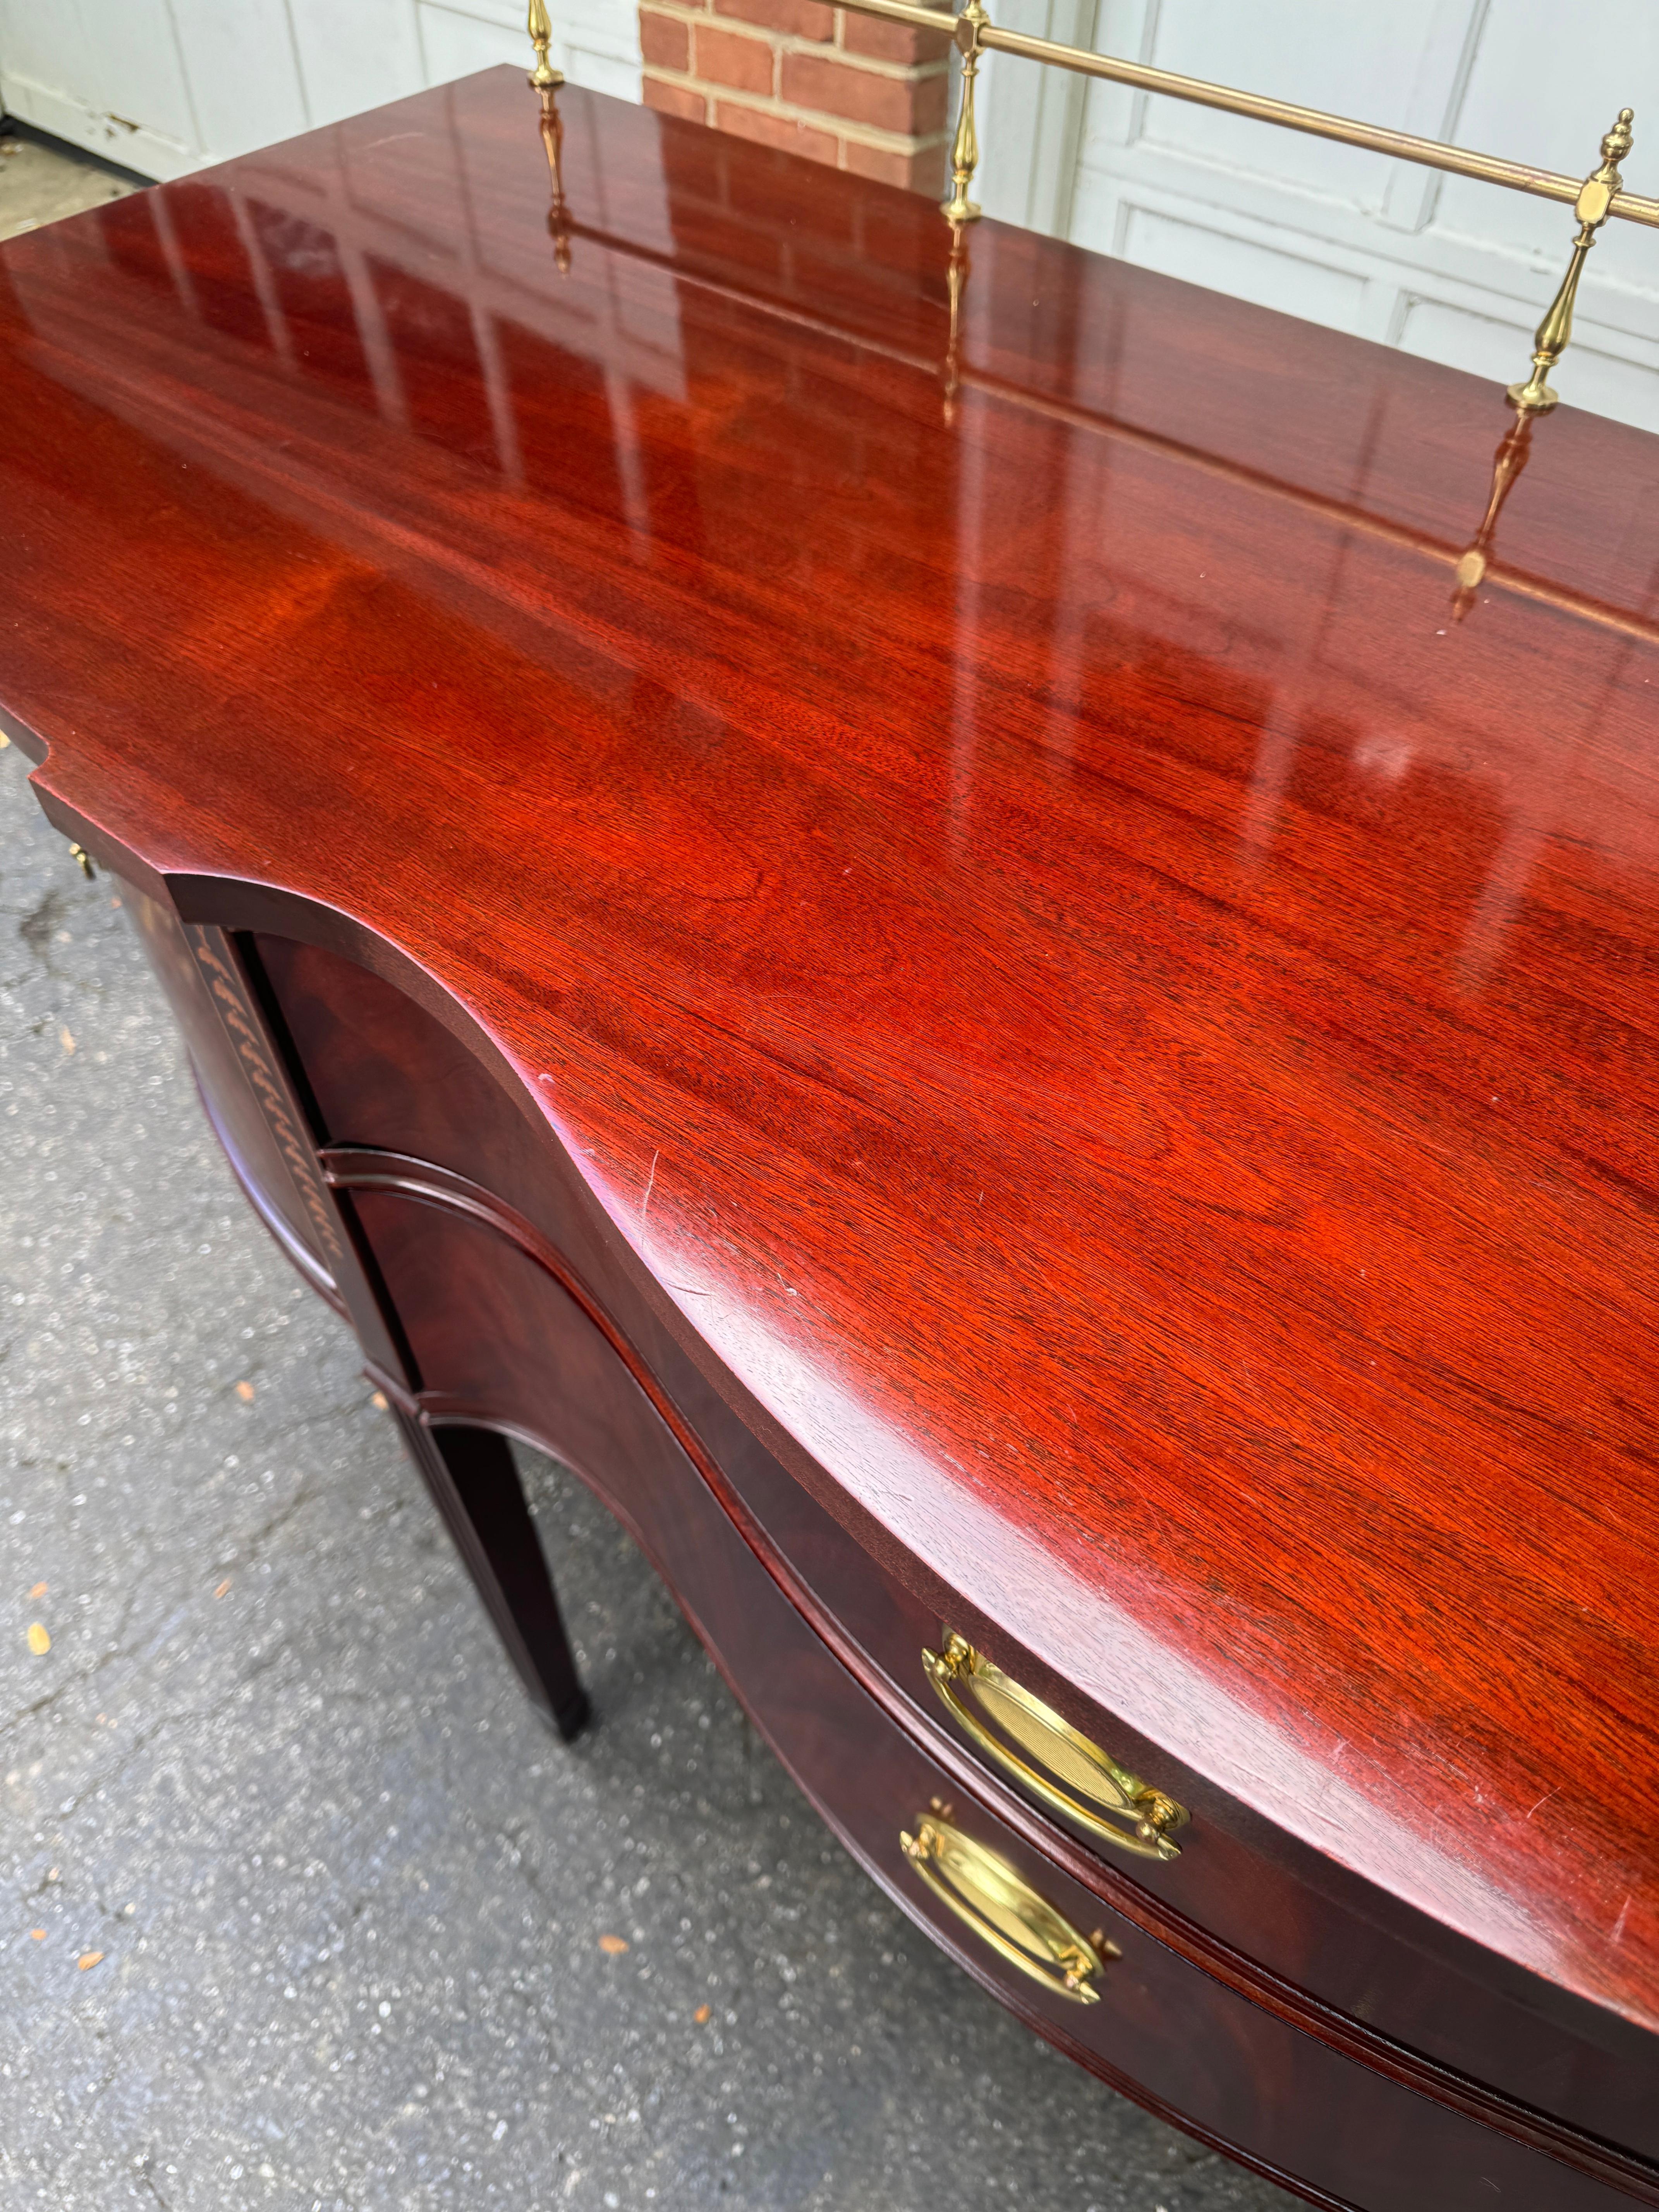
point(843, 88)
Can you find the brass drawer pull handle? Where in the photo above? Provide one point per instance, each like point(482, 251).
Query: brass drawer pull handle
point(1073, 1775)
point(1003, 1910)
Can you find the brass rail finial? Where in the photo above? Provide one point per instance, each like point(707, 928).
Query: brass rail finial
point(1595, 197)
point(964, 150)
point(545, 77)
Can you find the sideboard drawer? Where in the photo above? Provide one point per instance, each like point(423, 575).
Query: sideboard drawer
point(1161, 2030)
point(1238, 1885)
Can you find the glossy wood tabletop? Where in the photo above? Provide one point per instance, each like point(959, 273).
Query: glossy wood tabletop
point(1119, 1019)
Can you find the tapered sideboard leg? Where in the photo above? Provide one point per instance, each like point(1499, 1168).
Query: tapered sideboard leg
point(470, 1474)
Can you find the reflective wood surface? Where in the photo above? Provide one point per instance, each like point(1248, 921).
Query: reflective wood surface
point(1121, 1030)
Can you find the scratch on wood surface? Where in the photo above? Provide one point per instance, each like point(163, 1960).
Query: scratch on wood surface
point(1618, 1924)
point(1545, 1800)
point(644, 1203)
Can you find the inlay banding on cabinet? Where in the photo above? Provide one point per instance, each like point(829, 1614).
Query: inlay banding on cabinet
point(1052, 1043)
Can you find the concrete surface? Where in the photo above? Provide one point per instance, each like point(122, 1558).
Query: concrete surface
point(301, 1907)
point(38, 184)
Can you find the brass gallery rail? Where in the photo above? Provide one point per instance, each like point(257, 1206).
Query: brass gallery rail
point(1602, 194)
point(1401, 145)
point(1597, 197)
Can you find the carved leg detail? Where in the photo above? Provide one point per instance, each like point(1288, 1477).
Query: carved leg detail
point(474, 1484)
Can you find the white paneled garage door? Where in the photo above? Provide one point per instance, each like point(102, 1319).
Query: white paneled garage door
point(165, 86)
point(1453, 269)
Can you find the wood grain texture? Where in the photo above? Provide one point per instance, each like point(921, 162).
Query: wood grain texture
point(1122, 1027)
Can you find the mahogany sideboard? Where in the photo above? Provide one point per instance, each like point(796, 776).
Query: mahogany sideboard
point(962, 920)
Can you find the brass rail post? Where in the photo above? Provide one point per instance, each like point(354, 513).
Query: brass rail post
point(1592, 208)
point(964, 150)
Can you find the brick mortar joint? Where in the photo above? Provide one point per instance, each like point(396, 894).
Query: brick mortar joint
point(786, 42)
point(837, 43)
point(900, 72)
point(835, 126)
point(704, 11)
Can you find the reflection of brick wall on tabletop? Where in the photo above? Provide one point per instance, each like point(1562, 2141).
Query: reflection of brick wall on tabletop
point(847, 89)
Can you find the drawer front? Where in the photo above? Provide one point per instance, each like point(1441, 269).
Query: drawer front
point(494, 1335)
point(386, 1073)
point(1228, 1880)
